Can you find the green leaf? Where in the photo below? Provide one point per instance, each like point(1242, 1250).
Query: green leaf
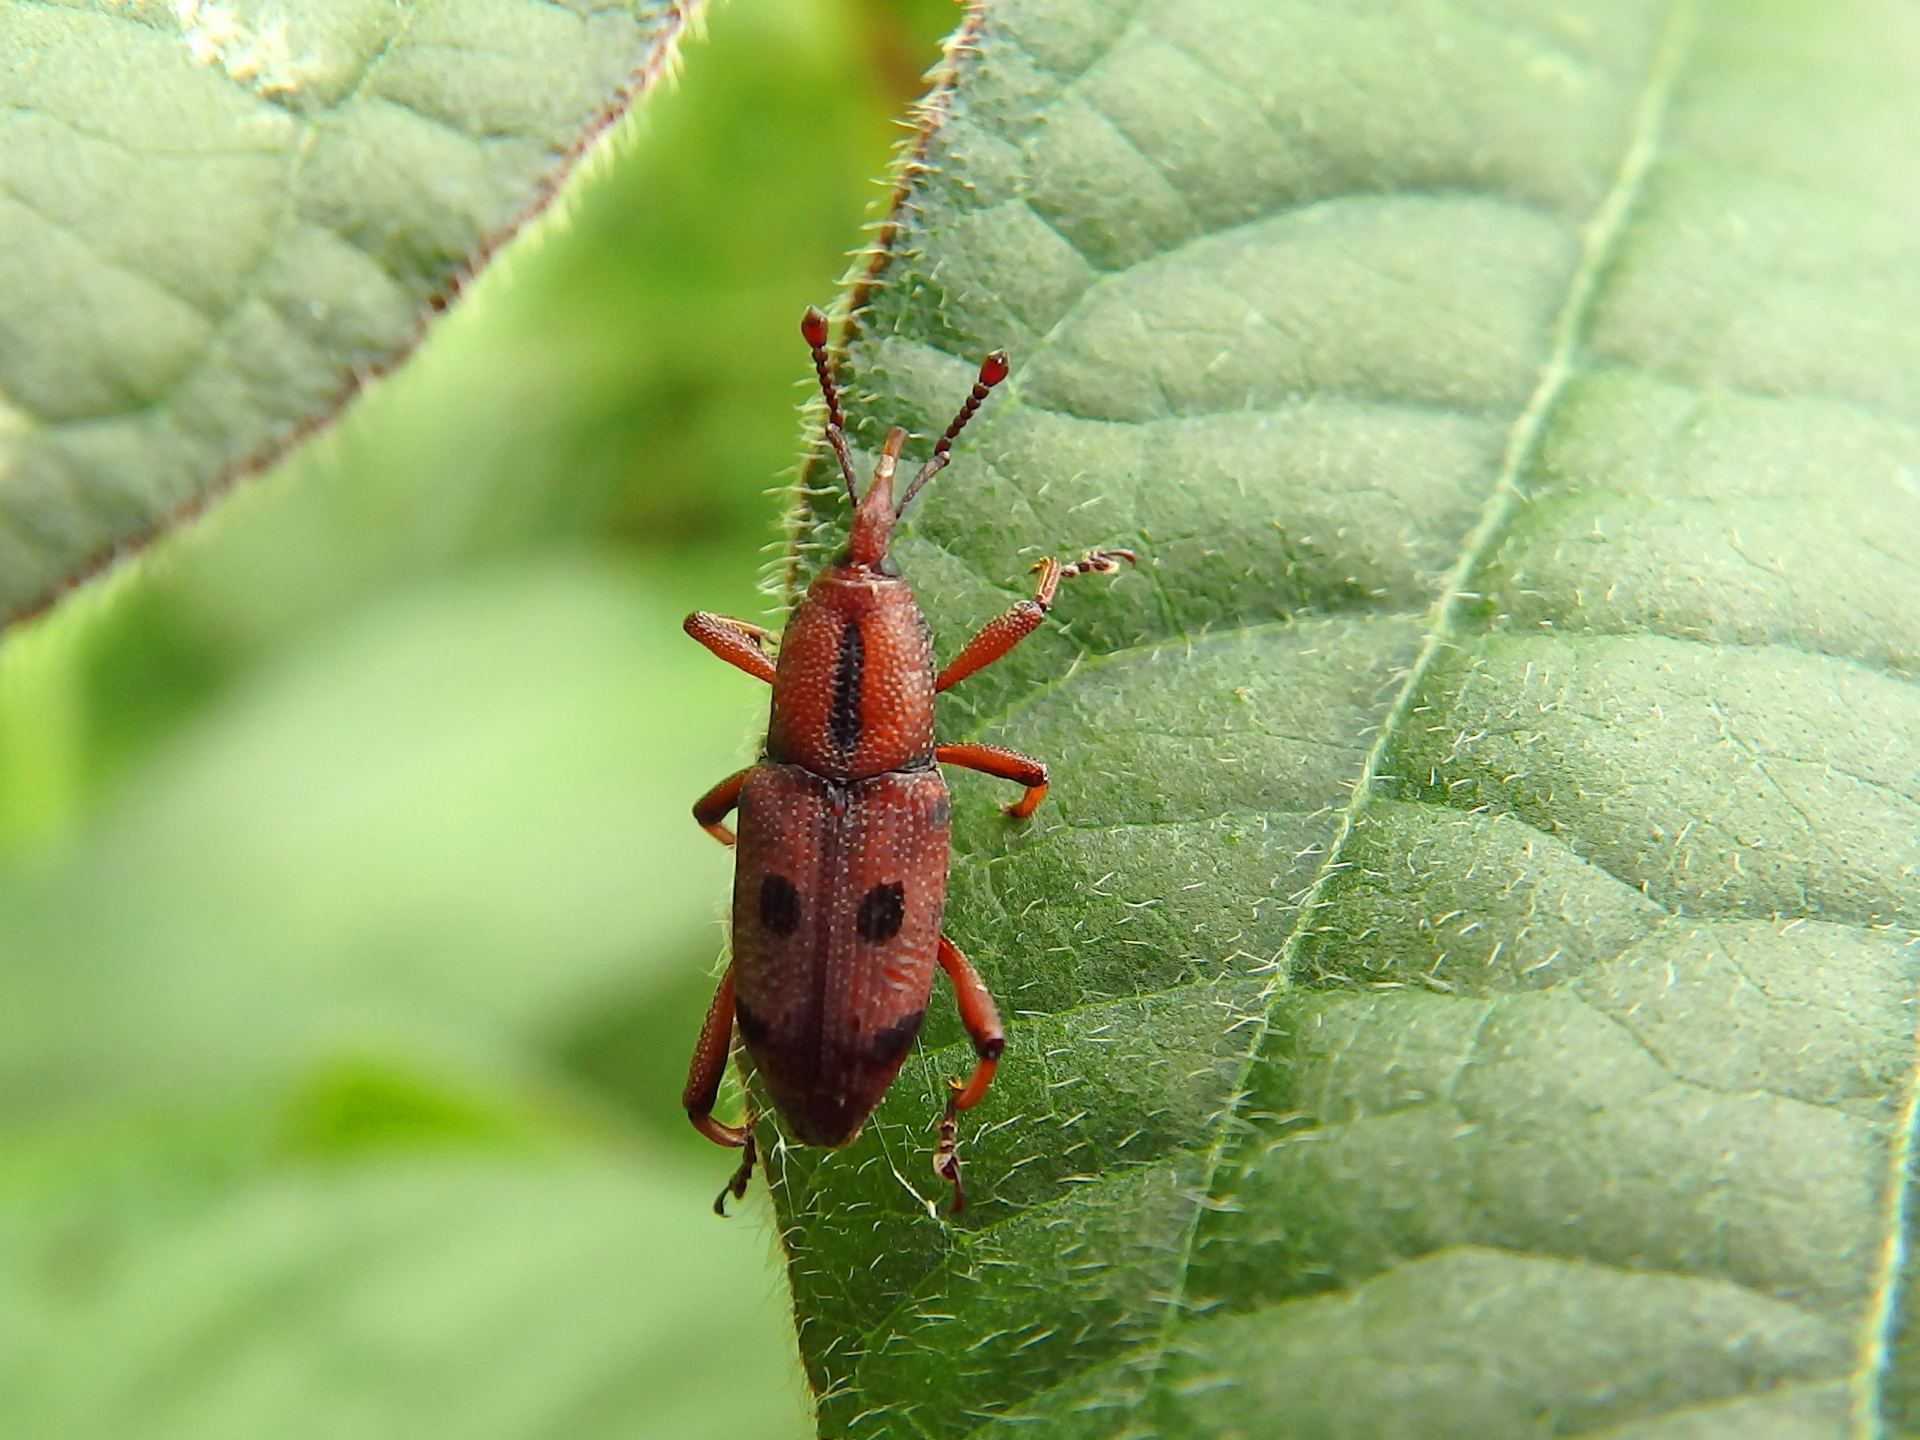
point(1461, 984)
point(283, 1149)
point(216, 219)
point(456, 822)
point(459, 1297)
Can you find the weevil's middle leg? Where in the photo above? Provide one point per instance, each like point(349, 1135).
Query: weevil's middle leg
point(703, 1088)
point(1007, 765)
point(982, 1019)
point(1006, 630)
point(712, 808)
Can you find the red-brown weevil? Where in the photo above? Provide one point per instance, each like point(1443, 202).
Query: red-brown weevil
point(840, 880)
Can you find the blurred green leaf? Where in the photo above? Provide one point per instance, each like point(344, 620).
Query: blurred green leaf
point(216, 217)
point(417, 1298)
point(620, 379)
point(1462, 979)
point(448, 819)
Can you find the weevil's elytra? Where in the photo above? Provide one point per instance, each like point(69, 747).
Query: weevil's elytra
point(840, 883)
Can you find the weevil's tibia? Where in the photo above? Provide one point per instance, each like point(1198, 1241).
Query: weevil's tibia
point(982, 1020)
point(992, 371)
point(1005, 764)
point(1008, 629)
point(709, 1065)
point(703, 1088)
point(711, 811)
point(813, 328)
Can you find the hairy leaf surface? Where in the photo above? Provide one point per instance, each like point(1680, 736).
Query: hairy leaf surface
point(1461, 984)
point(215, 218)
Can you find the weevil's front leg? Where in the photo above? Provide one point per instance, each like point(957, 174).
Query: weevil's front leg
point(713, 807)
point(1007, 765)
point(703, 1088)
point(982, 1020)
point(1003, 632)
point(734, 641)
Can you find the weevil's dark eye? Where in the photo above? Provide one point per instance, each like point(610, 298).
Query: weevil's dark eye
point(881, 910)
point(779, 905)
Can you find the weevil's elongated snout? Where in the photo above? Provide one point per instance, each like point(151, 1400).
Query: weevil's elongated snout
point(873, 517)
point(874, 513)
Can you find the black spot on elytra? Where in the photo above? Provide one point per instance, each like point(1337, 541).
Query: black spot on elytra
point(843, 724)
point(891, 1042)
point(881, 910)
point(779, 905)
point(753, 1029)
point(941, 813)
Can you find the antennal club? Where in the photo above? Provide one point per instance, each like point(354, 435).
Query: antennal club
point(992, 371)
point(813, 327)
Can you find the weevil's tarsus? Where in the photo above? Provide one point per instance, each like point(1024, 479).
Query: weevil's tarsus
point(742, 1177)
point(946, 1157)
point(1094, 562)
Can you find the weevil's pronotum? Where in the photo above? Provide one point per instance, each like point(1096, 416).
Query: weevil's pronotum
point(841, 873)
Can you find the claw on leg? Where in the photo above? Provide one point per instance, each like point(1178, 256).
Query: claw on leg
point(743, 1176)
point(946, 1156)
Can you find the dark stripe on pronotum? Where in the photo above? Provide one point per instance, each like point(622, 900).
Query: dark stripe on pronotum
point(881, 910)
point(843, 725)
point(779, 905)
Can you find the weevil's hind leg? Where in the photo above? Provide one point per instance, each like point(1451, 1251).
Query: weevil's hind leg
point(1006, 630)
point(734, 641)
point(982, 1019)
point(1007, 765)
point(712, 808)
point(703, 1088)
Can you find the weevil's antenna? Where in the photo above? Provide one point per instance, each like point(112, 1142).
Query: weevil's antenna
point(813, 325)
point(993, 370)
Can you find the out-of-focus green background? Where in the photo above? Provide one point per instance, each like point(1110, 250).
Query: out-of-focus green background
point(353, 930)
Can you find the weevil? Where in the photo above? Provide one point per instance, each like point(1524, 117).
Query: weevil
point(840, 877)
